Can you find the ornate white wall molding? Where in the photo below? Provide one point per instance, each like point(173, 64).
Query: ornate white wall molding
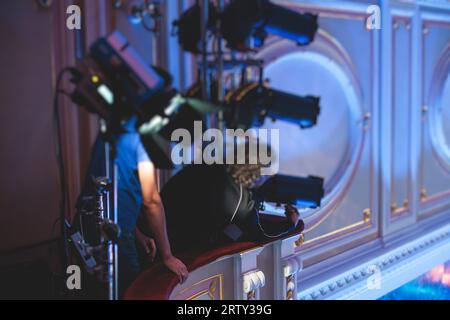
point(443, 4)
point(331, 51)
point(434, 162)
point(287, 265)
point(292, 267)
point(378, 276)
point(248, 278)
point(252, 282)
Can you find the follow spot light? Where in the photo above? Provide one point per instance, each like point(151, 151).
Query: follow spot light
point(188, 27)
point(114, 82)
point(242, 20)
point(255, 19)
point(252, 104)
point(302, 192)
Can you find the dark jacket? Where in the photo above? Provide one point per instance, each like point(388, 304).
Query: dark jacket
point(205, 207)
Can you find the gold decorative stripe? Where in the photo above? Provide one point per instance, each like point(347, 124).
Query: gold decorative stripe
point(210, 291)
point(350, 227)
point(199, 294)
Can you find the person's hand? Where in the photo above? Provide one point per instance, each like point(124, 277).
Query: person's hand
point(177, 267)
point(148, 244)
point(292, 214)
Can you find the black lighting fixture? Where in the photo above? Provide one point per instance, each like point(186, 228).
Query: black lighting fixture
point(251, 104)
point(301, 192)
point(188, 27)
point(241, 21)
point(114, 82)
point(256, 19)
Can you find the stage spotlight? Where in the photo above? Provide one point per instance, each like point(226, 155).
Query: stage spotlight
point(242, 20)
point(188, 27)
point(301, 192)
point(114, 82)
point(250, 105)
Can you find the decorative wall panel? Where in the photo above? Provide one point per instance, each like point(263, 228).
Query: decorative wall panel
point(435, 168)
point(342, 70)
point(401, 116)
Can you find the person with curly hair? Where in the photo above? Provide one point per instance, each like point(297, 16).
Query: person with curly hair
point(210, 205)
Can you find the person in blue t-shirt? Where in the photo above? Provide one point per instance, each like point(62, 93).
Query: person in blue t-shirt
point(137, 191)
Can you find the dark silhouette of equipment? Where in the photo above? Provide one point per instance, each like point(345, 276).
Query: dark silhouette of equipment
point(302, 192)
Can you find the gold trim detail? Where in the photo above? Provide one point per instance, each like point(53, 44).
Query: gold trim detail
point(290, 286)
point(215, 282)
point(197, 295)
point(350, 227)
point(423, 194)
point(367, 215)
point(290, 295)
point(212, 289)
point(300, 241)
point(406, 204)
point(394, 207)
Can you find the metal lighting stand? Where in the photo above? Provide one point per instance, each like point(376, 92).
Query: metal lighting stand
point(112, 266)
point(205, 80)
point(220, 68)
point(205, 62)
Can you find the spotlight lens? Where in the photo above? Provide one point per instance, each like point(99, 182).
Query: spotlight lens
point(106, 94)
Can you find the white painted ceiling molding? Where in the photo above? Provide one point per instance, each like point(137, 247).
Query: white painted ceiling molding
point(387, 272)
point(442, 4)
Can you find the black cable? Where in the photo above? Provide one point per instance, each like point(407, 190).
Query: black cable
point(60, 161)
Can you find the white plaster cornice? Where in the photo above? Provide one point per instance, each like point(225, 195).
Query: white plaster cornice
point(392, 269)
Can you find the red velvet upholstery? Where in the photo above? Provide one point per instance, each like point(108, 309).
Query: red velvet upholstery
point(157, 282)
